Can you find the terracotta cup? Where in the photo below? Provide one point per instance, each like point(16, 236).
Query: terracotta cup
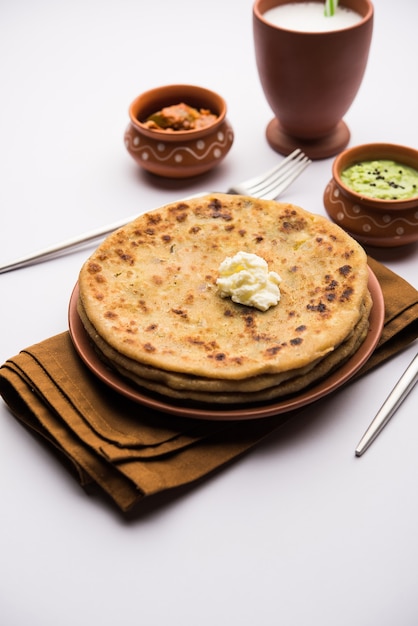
point(310, 79)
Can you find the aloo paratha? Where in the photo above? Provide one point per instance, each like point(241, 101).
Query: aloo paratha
point(149, 291)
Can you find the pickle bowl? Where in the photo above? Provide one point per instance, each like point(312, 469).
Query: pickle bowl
point(182, 153)
point(378, 222)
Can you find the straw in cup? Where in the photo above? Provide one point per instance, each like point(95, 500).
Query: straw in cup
point(330, 6)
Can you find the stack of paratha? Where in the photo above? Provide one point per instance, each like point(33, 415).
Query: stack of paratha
point(151, 306)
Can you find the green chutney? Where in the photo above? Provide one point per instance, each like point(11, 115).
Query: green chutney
point(382, 179)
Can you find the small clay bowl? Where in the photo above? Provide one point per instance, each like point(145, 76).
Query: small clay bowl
point(371, 221)
point(180, 153)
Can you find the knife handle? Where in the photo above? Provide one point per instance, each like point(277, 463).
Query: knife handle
point(398, 394)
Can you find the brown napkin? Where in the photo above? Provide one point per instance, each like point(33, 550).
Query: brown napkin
point(130, 451)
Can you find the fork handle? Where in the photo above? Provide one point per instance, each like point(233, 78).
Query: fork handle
point(61, 248)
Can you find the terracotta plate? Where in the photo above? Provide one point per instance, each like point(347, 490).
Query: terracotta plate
point(212, 412)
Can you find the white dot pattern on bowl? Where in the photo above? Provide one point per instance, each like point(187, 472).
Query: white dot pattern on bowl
point(164, 153)
point(345, 212)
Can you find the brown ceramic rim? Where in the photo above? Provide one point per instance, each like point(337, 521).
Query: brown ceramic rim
point(363, 7)
point(401, 154)
point(155, 99)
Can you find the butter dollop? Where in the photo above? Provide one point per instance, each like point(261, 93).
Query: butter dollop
point(246, 279)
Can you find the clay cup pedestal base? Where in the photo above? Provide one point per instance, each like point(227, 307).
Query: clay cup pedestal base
point(321, 148)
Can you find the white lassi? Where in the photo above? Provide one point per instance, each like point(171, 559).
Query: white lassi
point(309, 17)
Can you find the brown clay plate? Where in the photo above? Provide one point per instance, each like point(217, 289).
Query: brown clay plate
point(334, 381)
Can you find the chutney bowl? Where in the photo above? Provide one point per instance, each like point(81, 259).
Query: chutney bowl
point(180, 153)
point(372, 221)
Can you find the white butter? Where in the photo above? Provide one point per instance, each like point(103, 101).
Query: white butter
point(246, 279)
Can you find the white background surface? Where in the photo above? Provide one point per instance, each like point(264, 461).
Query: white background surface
point(299, 531)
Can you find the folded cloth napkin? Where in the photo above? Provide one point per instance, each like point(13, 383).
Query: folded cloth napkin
point(131, 451)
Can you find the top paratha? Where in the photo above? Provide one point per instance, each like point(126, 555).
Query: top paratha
point(150, 292)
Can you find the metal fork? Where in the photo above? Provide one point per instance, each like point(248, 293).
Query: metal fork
point(267, 186)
